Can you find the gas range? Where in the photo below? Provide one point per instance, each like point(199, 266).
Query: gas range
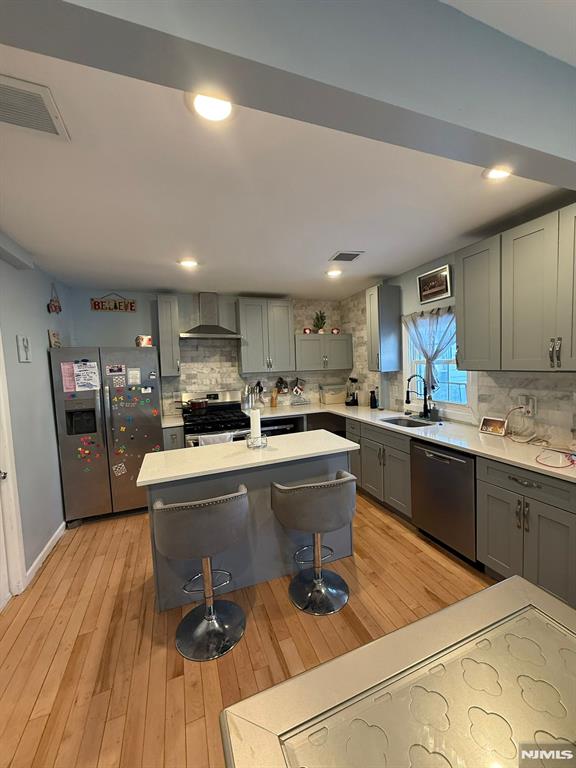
point(213, 412)
point(209, 413)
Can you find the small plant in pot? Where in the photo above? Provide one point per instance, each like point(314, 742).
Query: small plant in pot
point(319, 321)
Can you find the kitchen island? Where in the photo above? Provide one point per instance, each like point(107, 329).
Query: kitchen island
point(266, 551)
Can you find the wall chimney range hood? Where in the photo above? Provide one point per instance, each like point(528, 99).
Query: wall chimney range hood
point(209, 326)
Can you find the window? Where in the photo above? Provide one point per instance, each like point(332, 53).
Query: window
point(452, 383)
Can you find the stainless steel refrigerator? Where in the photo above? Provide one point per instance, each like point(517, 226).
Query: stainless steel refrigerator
point(107, 408)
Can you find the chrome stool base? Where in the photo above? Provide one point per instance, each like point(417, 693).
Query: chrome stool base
point(321, 597)
point(200, 639)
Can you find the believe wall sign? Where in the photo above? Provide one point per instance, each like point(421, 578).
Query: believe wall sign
point(113, 302)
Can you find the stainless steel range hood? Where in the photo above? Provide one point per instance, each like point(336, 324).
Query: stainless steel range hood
point(209, 326)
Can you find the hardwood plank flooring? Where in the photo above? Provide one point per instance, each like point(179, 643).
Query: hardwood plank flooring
point(89, 675)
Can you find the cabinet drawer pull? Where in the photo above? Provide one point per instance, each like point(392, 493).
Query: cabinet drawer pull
point(551, 352)
point(526, 516)
point(519, 514)
point(558, 348)
point(525, 483)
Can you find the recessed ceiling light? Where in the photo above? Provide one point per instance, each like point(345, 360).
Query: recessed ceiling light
point(188, 263)
point(333, 273)
point(211, 108)
point(496, 174)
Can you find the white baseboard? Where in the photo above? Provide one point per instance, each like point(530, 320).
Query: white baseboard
point(36, 565)
point(4, 600)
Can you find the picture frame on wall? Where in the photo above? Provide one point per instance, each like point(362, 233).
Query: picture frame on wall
point(434, 285)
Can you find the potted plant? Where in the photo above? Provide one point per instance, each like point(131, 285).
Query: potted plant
point(319, 321)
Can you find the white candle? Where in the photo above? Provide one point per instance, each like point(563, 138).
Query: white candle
point(255, 423)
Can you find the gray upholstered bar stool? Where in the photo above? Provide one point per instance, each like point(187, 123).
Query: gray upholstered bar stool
point(201, 529)
point(317, 508)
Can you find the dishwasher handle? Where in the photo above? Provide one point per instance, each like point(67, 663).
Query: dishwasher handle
point(443, 457)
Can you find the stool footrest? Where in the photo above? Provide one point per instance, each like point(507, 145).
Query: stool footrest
point(225, 580)
point(310, 547)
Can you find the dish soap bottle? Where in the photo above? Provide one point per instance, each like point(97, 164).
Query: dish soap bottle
point(373, 399)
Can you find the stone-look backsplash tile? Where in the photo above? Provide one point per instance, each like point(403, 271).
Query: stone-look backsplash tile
point(353, 314)
point(555, 394)
point(209, 365)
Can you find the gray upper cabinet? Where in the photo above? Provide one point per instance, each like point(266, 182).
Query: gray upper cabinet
point(324, 351)
point(168, 335)
point(529, 293)
point(266, 326)
point(499, 529)
point(477, 283)
point(281, 335)
point(383, 326)
point(565, 351)
point(550, 549)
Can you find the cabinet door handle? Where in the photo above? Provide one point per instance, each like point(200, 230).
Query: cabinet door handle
point(558, 349)
point(377, 361)
point(526, 516)
point(519, 514)
point(178, 365)
point(271, 363)
point(525, 483)
point(551, 352)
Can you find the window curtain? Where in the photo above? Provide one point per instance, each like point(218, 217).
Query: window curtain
point(431, 333)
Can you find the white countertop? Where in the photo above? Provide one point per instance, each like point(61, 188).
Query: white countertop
point(172, 422)
point(185, 463)
point(462, 437)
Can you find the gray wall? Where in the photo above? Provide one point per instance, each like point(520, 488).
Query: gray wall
point(111, 329)
point(23, 298)
point(408, 282)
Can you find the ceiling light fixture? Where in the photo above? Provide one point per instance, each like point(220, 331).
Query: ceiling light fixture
point(333, 273)
point(211, 108)
point(188, 263)
point(496, 174)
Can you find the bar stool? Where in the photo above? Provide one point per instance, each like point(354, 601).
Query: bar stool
point(317, 508)
point(201, 529)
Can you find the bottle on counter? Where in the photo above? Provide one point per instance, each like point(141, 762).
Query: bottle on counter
point(373, 400)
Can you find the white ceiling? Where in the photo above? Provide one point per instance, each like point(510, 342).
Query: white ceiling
point(549, 25)
point(261, 201)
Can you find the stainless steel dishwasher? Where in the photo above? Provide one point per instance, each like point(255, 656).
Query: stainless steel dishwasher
point(444, 497)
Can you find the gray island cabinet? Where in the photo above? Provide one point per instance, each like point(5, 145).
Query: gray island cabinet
point(266, 551)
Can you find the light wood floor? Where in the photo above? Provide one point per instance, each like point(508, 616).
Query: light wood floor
point(89, 675)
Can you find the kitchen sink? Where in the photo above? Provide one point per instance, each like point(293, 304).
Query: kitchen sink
point(406, 421)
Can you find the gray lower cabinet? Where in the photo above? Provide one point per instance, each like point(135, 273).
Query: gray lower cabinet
point(324, 352)
point(529, 294)
point(356, 460)
point(168, 335)
point(477, 279)
point(499, 529)
point(267, 330)
point(397, 485)
point(519, 535)
point(173, 437)
point(372, 467)
point(550, 549)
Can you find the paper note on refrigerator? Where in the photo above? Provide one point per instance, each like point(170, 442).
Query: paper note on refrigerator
point(68, 381)
point(134, 377)
point(86, 376)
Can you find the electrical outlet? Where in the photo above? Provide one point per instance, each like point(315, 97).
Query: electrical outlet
point(529, 404)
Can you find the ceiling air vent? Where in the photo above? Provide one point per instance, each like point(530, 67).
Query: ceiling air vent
point(346, 255)
point(30, 105)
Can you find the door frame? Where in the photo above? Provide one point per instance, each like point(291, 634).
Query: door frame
point(10, 521)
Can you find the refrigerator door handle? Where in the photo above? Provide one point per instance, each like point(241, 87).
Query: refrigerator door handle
point(107, 414)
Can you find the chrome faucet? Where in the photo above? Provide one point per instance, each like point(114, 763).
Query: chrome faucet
point(425, 410)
